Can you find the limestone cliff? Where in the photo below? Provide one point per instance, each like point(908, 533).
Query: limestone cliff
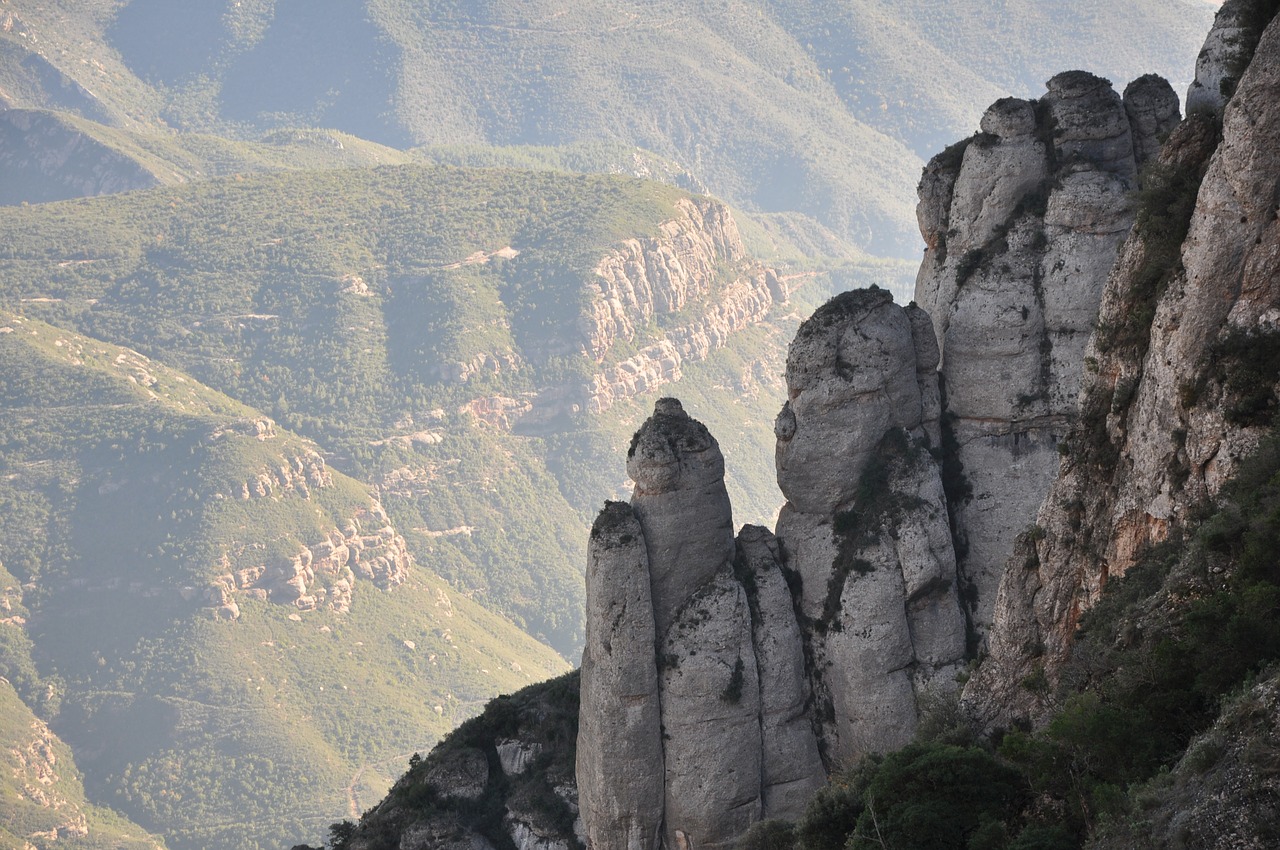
point(1022, 224)
point(1180, 378)
point(651, 306)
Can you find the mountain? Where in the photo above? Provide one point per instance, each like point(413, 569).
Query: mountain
point(283, 448)
point(196, 581)
point(1127, 695)
point(821, 108)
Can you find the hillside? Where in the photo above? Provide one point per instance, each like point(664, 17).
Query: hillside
point(434, 333)
point(198, 582)
point(350, 315)
point(820, 108)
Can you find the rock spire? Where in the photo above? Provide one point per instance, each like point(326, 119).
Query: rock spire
point(693, 666)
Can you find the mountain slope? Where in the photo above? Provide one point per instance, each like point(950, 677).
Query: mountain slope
point(408, 319)
point(819, 107)
point(222, 628)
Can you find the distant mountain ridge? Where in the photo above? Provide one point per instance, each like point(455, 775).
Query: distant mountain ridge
point(818, 107)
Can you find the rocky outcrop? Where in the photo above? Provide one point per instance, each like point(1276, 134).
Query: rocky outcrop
point(46, 158)
point(742, 304)
point(662, 274)
point(1227, 50)
point(620, 767)
point(1022, 225)
point(321, 574)
point(708, 689)
point(1180, 380)
point(676, 296)
point(682, 505)
point(790, 765)
point(865, 530)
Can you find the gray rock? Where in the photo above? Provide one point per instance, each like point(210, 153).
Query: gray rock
point(1090, 123)
point(1153, 110)
point(619, 760)
point(851, 376)
point(791, 768)
point(1177, 447)
point(681, 501)
point(865, 527)
point(1014, 296)
point(1226, 51)
point(516, 756)
point(711, 719)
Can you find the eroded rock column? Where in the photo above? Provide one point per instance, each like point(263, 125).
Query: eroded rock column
point(619, 762)
point(708, 679)
point(865, 530)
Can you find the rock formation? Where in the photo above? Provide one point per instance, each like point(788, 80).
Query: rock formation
point(865, 529)
point(620, 767)
point(1113, 345)
point(1022, 224)
point(693, 668)
point(804, 652)
point(664, 301)
point(1180, 380)
point(1227, 50)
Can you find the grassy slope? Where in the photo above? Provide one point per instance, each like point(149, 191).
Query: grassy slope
point(40, 786)
point(200, 729)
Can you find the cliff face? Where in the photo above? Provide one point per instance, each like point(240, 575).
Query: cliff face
point(43, 158)
point(1022, 225)
point(672, 299)
point(1180, 381)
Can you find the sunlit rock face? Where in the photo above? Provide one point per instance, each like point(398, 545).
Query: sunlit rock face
point(1023, 224)
point(1171, 403)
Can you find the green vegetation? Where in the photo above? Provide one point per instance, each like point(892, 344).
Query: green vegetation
point(1245, 364)
point(120, 485)
point(1180, 638)
point(1166, 200)
point(41, 792)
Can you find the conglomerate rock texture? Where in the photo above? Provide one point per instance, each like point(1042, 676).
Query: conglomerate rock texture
point(1180, 382)
point(864, 530)
point(1022, 224)
point(694, 695)
point(619, 731)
